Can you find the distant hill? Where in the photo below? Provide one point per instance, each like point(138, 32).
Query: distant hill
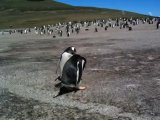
point(29, 13)
point(32, 5)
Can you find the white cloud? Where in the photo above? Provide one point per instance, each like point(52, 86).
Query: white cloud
point(150, 13)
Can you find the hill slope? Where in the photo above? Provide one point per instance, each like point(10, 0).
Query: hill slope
point(25, 13)
point(32, 5)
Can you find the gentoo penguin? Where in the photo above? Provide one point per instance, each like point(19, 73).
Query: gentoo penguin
point(65, 56)
point(72, 71)
point(130, 28)
point(72, 66)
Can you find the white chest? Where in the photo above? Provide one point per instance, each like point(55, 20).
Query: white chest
point(65, 57)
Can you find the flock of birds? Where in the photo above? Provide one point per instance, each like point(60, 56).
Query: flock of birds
point(68, 28)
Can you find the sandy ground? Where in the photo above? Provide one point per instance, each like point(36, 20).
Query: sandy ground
point(122, 76)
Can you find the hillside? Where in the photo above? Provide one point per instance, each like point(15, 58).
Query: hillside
point(32, 5)
point(25, 13)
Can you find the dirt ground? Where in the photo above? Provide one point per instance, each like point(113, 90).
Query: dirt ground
point(122, 76)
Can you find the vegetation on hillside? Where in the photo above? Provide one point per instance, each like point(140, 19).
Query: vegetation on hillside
point(32, 5)
point(29, 13)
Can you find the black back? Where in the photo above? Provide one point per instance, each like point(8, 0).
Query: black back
point(69, 73)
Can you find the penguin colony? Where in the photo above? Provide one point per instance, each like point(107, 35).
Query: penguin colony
point(68, 28)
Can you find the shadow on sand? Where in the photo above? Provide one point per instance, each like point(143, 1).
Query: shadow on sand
point(64, 90)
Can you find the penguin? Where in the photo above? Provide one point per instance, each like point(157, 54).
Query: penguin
point(72, 71)
point(158, 23)
point(130, 28)
point(67, 54)
point(72, 66)
point(96, 30)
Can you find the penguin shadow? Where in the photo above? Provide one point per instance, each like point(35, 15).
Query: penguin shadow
point(64, 90)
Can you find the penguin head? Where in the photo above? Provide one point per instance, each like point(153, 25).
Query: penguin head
point(71, 50)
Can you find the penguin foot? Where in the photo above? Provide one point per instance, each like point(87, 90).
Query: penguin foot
point(58, 78)
point(81, 88)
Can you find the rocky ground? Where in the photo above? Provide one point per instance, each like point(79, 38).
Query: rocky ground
point(122, 76)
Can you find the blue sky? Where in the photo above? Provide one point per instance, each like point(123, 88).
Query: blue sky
point(151, 7)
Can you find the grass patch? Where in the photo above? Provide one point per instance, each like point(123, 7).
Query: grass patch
point(24, 13)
